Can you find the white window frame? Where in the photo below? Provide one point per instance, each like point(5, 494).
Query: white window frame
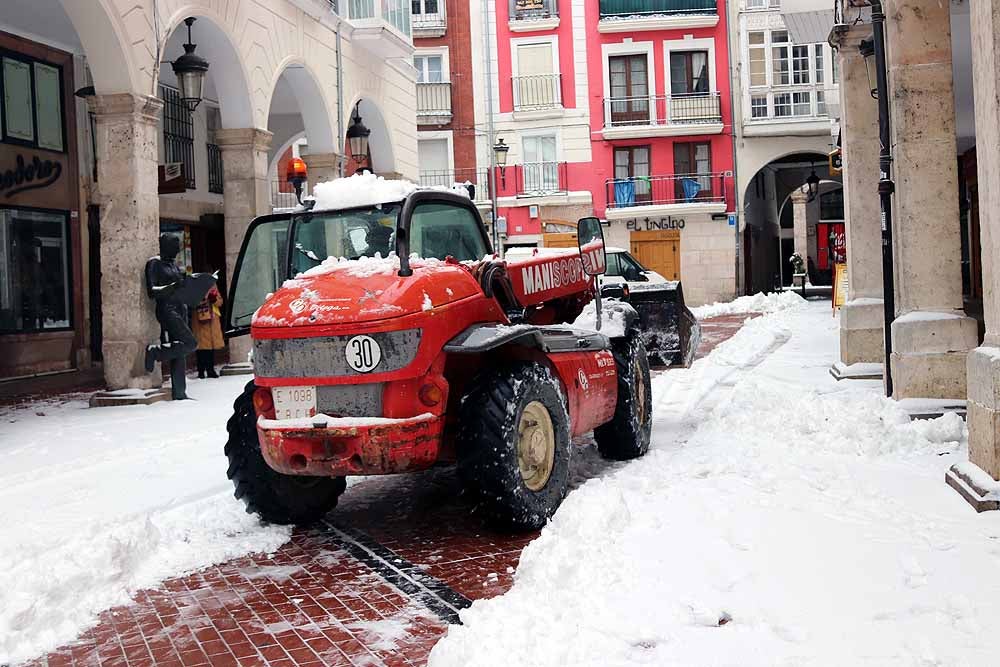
point(435, 51)
point(437, 135)
point(629, 49)
point(515, 44)
point(542, 132)
point(688, 44)
point(771, 88)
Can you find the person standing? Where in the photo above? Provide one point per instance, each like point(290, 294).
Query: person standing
point(206, 323)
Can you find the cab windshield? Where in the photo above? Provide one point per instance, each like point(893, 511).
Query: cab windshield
point(436, 230)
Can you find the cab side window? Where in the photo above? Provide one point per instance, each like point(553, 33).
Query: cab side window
point(614, 264)
point(439, 230)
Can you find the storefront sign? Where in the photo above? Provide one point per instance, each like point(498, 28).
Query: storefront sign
point(653, 224)
point(529, 5)
point(28, 175)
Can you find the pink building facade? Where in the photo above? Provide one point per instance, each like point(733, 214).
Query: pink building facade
point(621, 109)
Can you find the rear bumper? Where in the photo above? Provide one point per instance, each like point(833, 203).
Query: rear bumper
point(352, 447)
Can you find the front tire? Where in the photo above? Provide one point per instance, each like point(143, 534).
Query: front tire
point(276, 498)
point(514, 445)
point(627, 435)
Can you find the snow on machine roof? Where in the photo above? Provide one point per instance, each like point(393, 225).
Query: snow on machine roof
point(368, 189)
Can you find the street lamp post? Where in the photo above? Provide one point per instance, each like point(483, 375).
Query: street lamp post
point(357, 139)
point(498, 159)
point(190, 70)
point(886, 187)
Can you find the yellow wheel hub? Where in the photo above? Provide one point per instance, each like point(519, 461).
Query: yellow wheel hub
point(640, 391)
point(536, 446)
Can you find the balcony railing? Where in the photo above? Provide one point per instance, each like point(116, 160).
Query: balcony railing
point(449, 177)
point(641, 8)
point(215, 174)
point(434, 100)
point(429, 22)
point(665, 190)
point(394, 12)
point(537, 92)
point(536, 179)
point(533, 10)
point(687, 109)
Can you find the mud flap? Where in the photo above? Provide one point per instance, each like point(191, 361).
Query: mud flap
point(669, 329)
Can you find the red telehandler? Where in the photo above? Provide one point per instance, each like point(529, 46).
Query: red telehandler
point(388, 338)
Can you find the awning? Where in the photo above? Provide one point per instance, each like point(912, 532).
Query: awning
point(808, 21)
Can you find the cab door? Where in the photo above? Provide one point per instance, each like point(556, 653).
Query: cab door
point(261, 268)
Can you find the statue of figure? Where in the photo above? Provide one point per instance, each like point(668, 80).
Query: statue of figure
point(172, 291)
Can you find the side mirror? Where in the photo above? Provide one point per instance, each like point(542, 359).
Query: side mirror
point(590, 237)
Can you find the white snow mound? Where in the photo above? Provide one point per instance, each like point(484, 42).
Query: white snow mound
point(777, 513)
point(758, 303)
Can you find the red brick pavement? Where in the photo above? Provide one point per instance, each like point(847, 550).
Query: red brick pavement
point(315, 601)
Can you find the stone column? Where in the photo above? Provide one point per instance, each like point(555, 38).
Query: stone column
point(983, 403)
point(800, 222)
point(126, 127)
point(321, 167)
point(861, 335)
point(247, 194)
point(931, 335)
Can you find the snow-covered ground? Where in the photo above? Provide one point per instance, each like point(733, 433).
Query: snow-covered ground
point(99, 503)
point(779, 518)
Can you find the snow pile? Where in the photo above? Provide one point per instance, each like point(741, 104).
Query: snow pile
point(758, 303)
point(365, 189)
point(612, 318)
point(100, 503)
point(776, 515)
point(363, 267)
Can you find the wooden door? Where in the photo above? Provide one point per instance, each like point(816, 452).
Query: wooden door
point(560, 240)
point(659, 251)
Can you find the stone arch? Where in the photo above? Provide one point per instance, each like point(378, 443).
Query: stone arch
point(312, 102)
point(105, 42)
point(380, 140)
point(226, 66)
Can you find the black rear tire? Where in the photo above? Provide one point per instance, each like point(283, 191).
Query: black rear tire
point(491, 430)
point(627, 435)
point(276, 498)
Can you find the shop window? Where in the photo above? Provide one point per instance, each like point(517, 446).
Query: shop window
point(34, 271)
point(178, 133)
point(831, 205)
point(32, 109)
point(688, 72)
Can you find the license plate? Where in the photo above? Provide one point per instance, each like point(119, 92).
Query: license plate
point(294, 402)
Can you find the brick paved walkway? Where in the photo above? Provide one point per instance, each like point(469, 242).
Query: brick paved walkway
point(376, 585)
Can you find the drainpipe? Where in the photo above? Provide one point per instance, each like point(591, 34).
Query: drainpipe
point(736, 180)
point(340, 105)
point(886, 186)
point(490, 127)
